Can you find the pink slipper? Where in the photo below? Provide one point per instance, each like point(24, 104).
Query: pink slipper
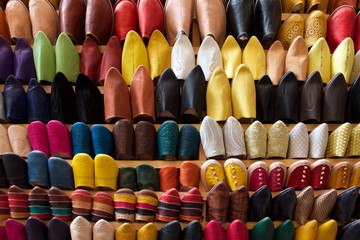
point(59, 139)
point(38, 137)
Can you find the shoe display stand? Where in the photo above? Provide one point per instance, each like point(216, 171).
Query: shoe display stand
point(195, 38)
point(157, 164)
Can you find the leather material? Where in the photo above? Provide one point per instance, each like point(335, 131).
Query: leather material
point(81, 139)
point(59, 139)
point(83, 171)
point(80, 229)
point(2, 109)
point(277, 141)
point(268, 21)
point(258, 175)
point(189, 176)
point(298, 141)
point(218, 96)
point(323, 205)
point(243, 94)
point(335, 4)
point(297, 59)
point(63, 99)
point(58, 230)
point(110, 58)
point(125, 231)
point(293, 6)
point(338, 141)
point(19, 141)
point(18, 26)
point(320, 172)
point(292, 27)
point(15, 230)
point(159, 53)
point(327, 230)
point(7, 59)
point(352, 150)
point(15, 170)
point(214, 231)
point(265, 100)
point(142, 96)
point(283, 205)
point(167, 97)
point(99, 20)
point(299, 174)
point(193, 231)
point(105, 171)
point(103, 229)
point(178, 18)
point(239, 205)
point(67, 58)
point(212, 173)
point(356, 67)
point(287, 99)
point(342, 59)
point(134, 54)
point(127, 178)
point(24, 67)
point(209, 56)
point(237, 229)
point(44, 18)
point(124, 139)
point(307, 231)
point(285, 231)
point(170, 230)
point(36, 229)
point(115, 91)
point(234, 139)
point(263, 230)
point(72, 19)
point(212, 139)
point(90, 59)
point(305, 201)
point(254, 57)
point(353, 101)
point(315, 27)
point(38, 106)
point(125, 18)
point(357, 32)
point(167, 140)
point(311, 98)
point(15, 101)
point(89, 100)
point(4, 27)
point(320, 60)
point(145, 141)
point(236, 175)
point(148, 231)
point(275, 62)
point(318, 139)
point(182, 57)
point(147, 177)
point(193, 96)
point(277, 175)
point(345, 205)
point(211, 17)
point(44, 58)
point(151, 17)
point(255, 140)
point(260, 204)
point(334, 100)
point(231, 56)
point(340, 25)
point(340, 175)
point(102, 138)
point(217, 203)
point(168, 178)
point(240, 17)
point(37, 134)
point(350, 231)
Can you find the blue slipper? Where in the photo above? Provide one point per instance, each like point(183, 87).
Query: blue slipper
point(189, 143)
point(81, 139)
point(38, 169)
point(61, 174)
point(103, 140)
point(36, 229)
